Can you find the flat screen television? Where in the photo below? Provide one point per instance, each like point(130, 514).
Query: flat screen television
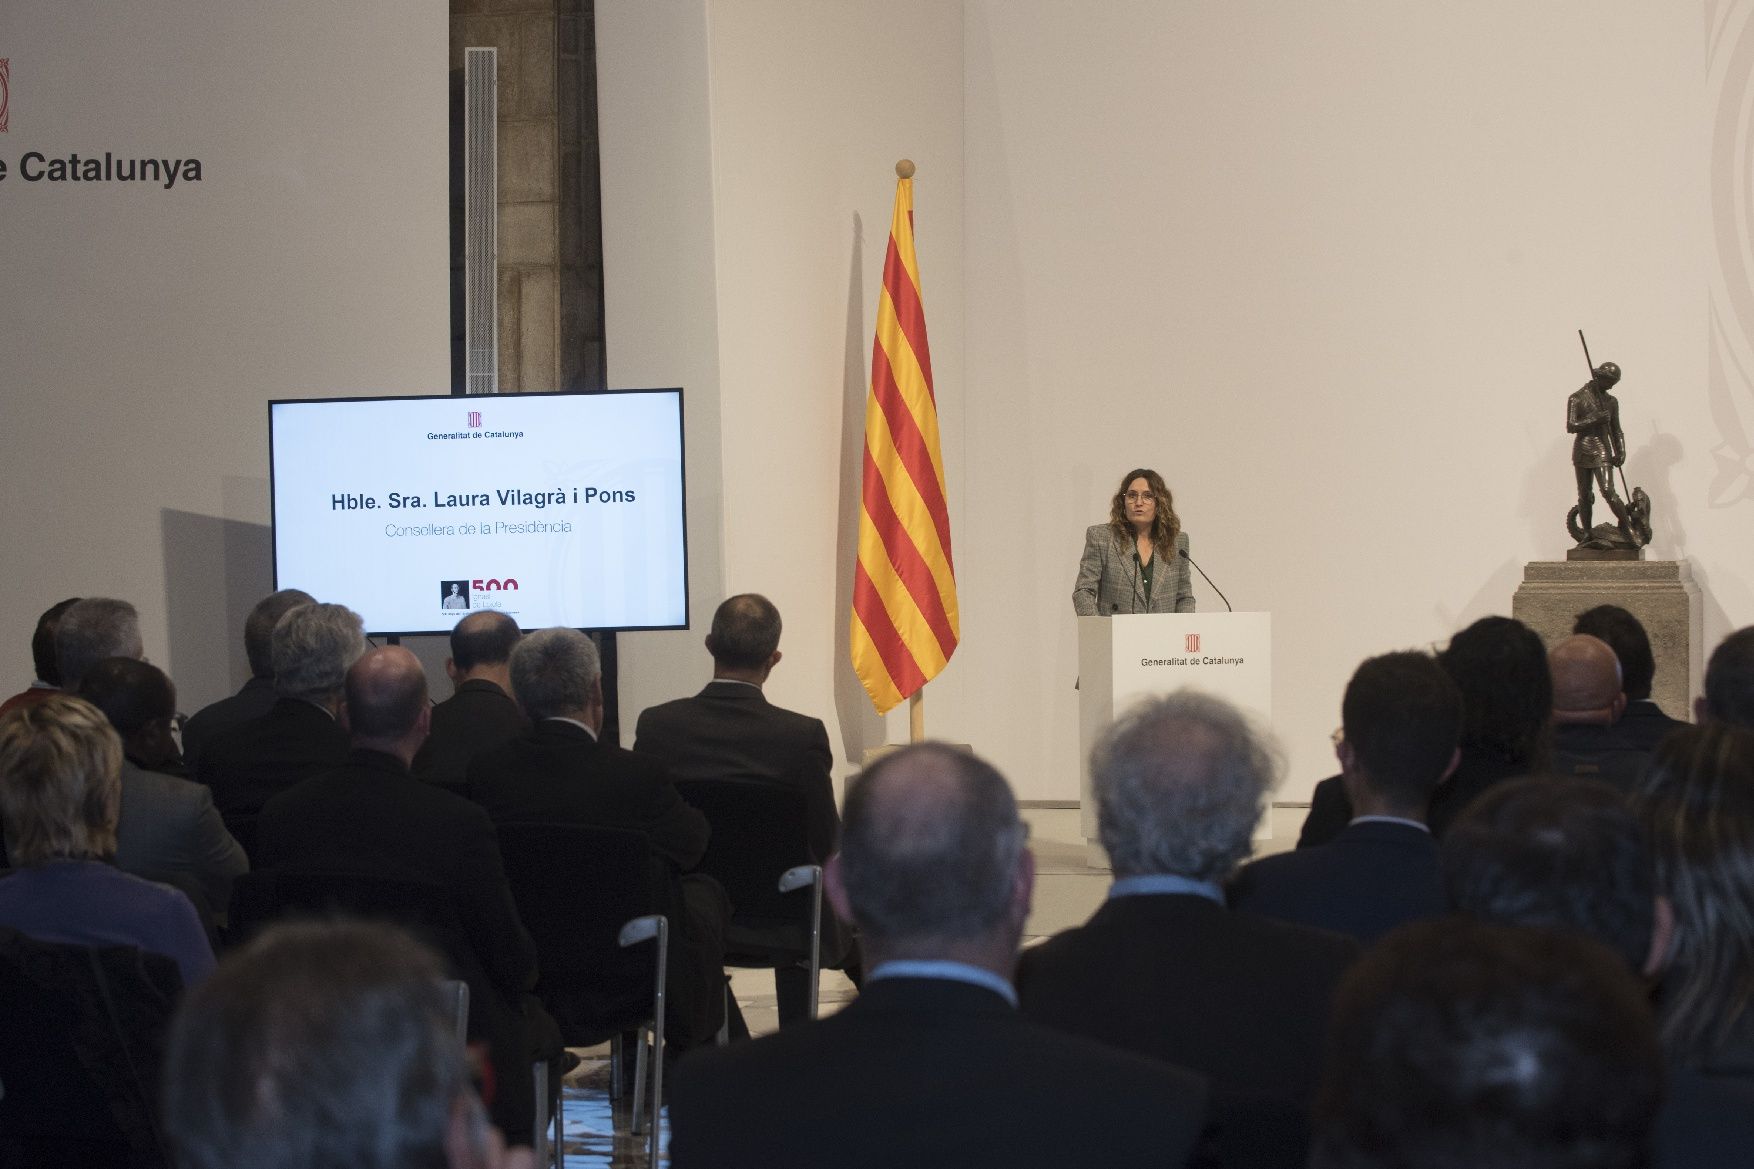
point(557, 509)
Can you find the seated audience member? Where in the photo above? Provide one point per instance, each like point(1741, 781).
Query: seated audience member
point(325, 1045)
point(561, 773)
point(1642, 723)
point(1571, 854)
point(370, 817)
point(91, 630)
point(312, 647)
point(1459, 1045)
point(1729, 682)
point(731, 731)
point(1588, 703)
point(931, 1064)
point(1698, 803)
point(1561, 853)
point(257, 695)
point(42, 652)
point(1500, 667)
point(1164, 968)
point(481, 712)
point(169, 829)
point(60, 791)
point(1401, 717)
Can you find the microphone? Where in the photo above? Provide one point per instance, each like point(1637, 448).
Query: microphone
point(1207, 579)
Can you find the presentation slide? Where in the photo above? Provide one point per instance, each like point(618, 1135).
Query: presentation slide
point(558, 509)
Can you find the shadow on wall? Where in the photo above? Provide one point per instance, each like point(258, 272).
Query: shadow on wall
point(215, 570)
point(861, 727)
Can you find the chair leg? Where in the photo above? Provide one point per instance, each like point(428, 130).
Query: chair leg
point(541, 1127)
point(639, 1084)
point(559, 1140)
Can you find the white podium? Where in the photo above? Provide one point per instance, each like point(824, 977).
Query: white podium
point(1125, 658)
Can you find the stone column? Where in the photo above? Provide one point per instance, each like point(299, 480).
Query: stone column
point(529, 181)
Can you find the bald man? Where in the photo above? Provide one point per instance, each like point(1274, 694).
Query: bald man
point(932, 1064)
point(1588, 700)
point(372, 817)
point(480, 714)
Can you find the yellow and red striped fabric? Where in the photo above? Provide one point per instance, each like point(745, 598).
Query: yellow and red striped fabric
point(905, 624)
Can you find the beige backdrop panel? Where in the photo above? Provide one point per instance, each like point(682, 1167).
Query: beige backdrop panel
point(146, 329)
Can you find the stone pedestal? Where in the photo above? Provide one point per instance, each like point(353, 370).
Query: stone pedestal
point(1660, 593)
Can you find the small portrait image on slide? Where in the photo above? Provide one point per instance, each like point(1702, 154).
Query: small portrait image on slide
point(454, 594)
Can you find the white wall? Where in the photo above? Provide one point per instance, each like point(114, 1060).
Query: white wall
point(1320, 264)
point(748, 154)
point(143, 330)
point(1323, 265)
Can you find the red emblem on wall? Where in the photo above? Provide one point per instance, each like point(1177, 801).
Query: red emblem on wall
point(5, 93)
point(1193, 643)
point(474, 419)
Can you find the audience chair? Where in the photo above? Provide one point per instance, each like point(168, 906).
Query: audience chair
point(262, 897)
point(642, 929)
point(83, 1038)
point(759, 851)
point(576, 888)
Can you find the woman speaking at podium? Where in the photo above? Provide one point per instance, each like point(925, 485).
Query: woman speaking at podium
point(1135, 563)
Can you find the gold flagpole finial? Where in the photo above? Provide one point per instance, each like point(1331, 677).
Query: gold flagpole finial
point(904, 169)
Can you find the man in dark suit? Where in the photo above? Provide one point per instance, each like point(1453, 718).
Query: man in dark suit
point(92, 629)
point(312, 647)
point(1500, 666)
point(1573, 854)
point(561, 773)
point(1164, 968)
point(370, 817)
point(731, 731)
point(1729, 682)
point(481, 712)
point(1643, 723)
point(42, 652)
point(931, 1065)
point(1400, 721)
point(257, 694)
point(168, 829)
point(1587, 706)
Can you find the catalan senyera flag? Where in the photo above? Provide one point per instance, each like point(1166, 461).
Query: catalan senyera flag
point(905, 624)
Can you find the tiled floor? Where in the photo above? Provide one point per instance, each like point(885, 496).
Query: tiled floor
point(1067, 891)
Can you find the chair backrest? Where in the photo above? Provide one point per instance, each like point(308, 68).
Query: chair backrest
point(575, 887)
point(425, 909)
point(760, 829)
point(84, 1034)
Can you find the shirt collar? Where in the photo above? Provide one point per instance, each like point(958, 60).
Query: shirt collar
point(1423, 827)
point(946, 970)
point(585, 727)
point(1150, 883)
point(755, 686)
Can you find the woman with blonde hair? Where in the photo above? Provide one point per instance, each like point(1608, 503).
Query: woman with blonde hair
point(1698, 803)
point(60, 795)
point(1137, 561)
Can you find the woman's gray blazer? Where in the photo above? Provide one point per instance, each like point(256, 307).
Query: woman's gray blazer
point(1109, 582)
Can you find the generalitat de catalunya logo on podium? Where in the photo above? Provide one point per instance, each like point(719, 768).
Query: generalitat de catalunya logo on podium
point(5, 93)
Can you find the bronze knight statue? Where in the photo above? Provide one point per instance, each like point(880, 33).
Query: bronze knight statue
point(1599, 450)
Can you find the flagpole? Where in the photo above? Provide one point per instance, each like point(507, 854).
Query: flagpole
point(916, 703)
